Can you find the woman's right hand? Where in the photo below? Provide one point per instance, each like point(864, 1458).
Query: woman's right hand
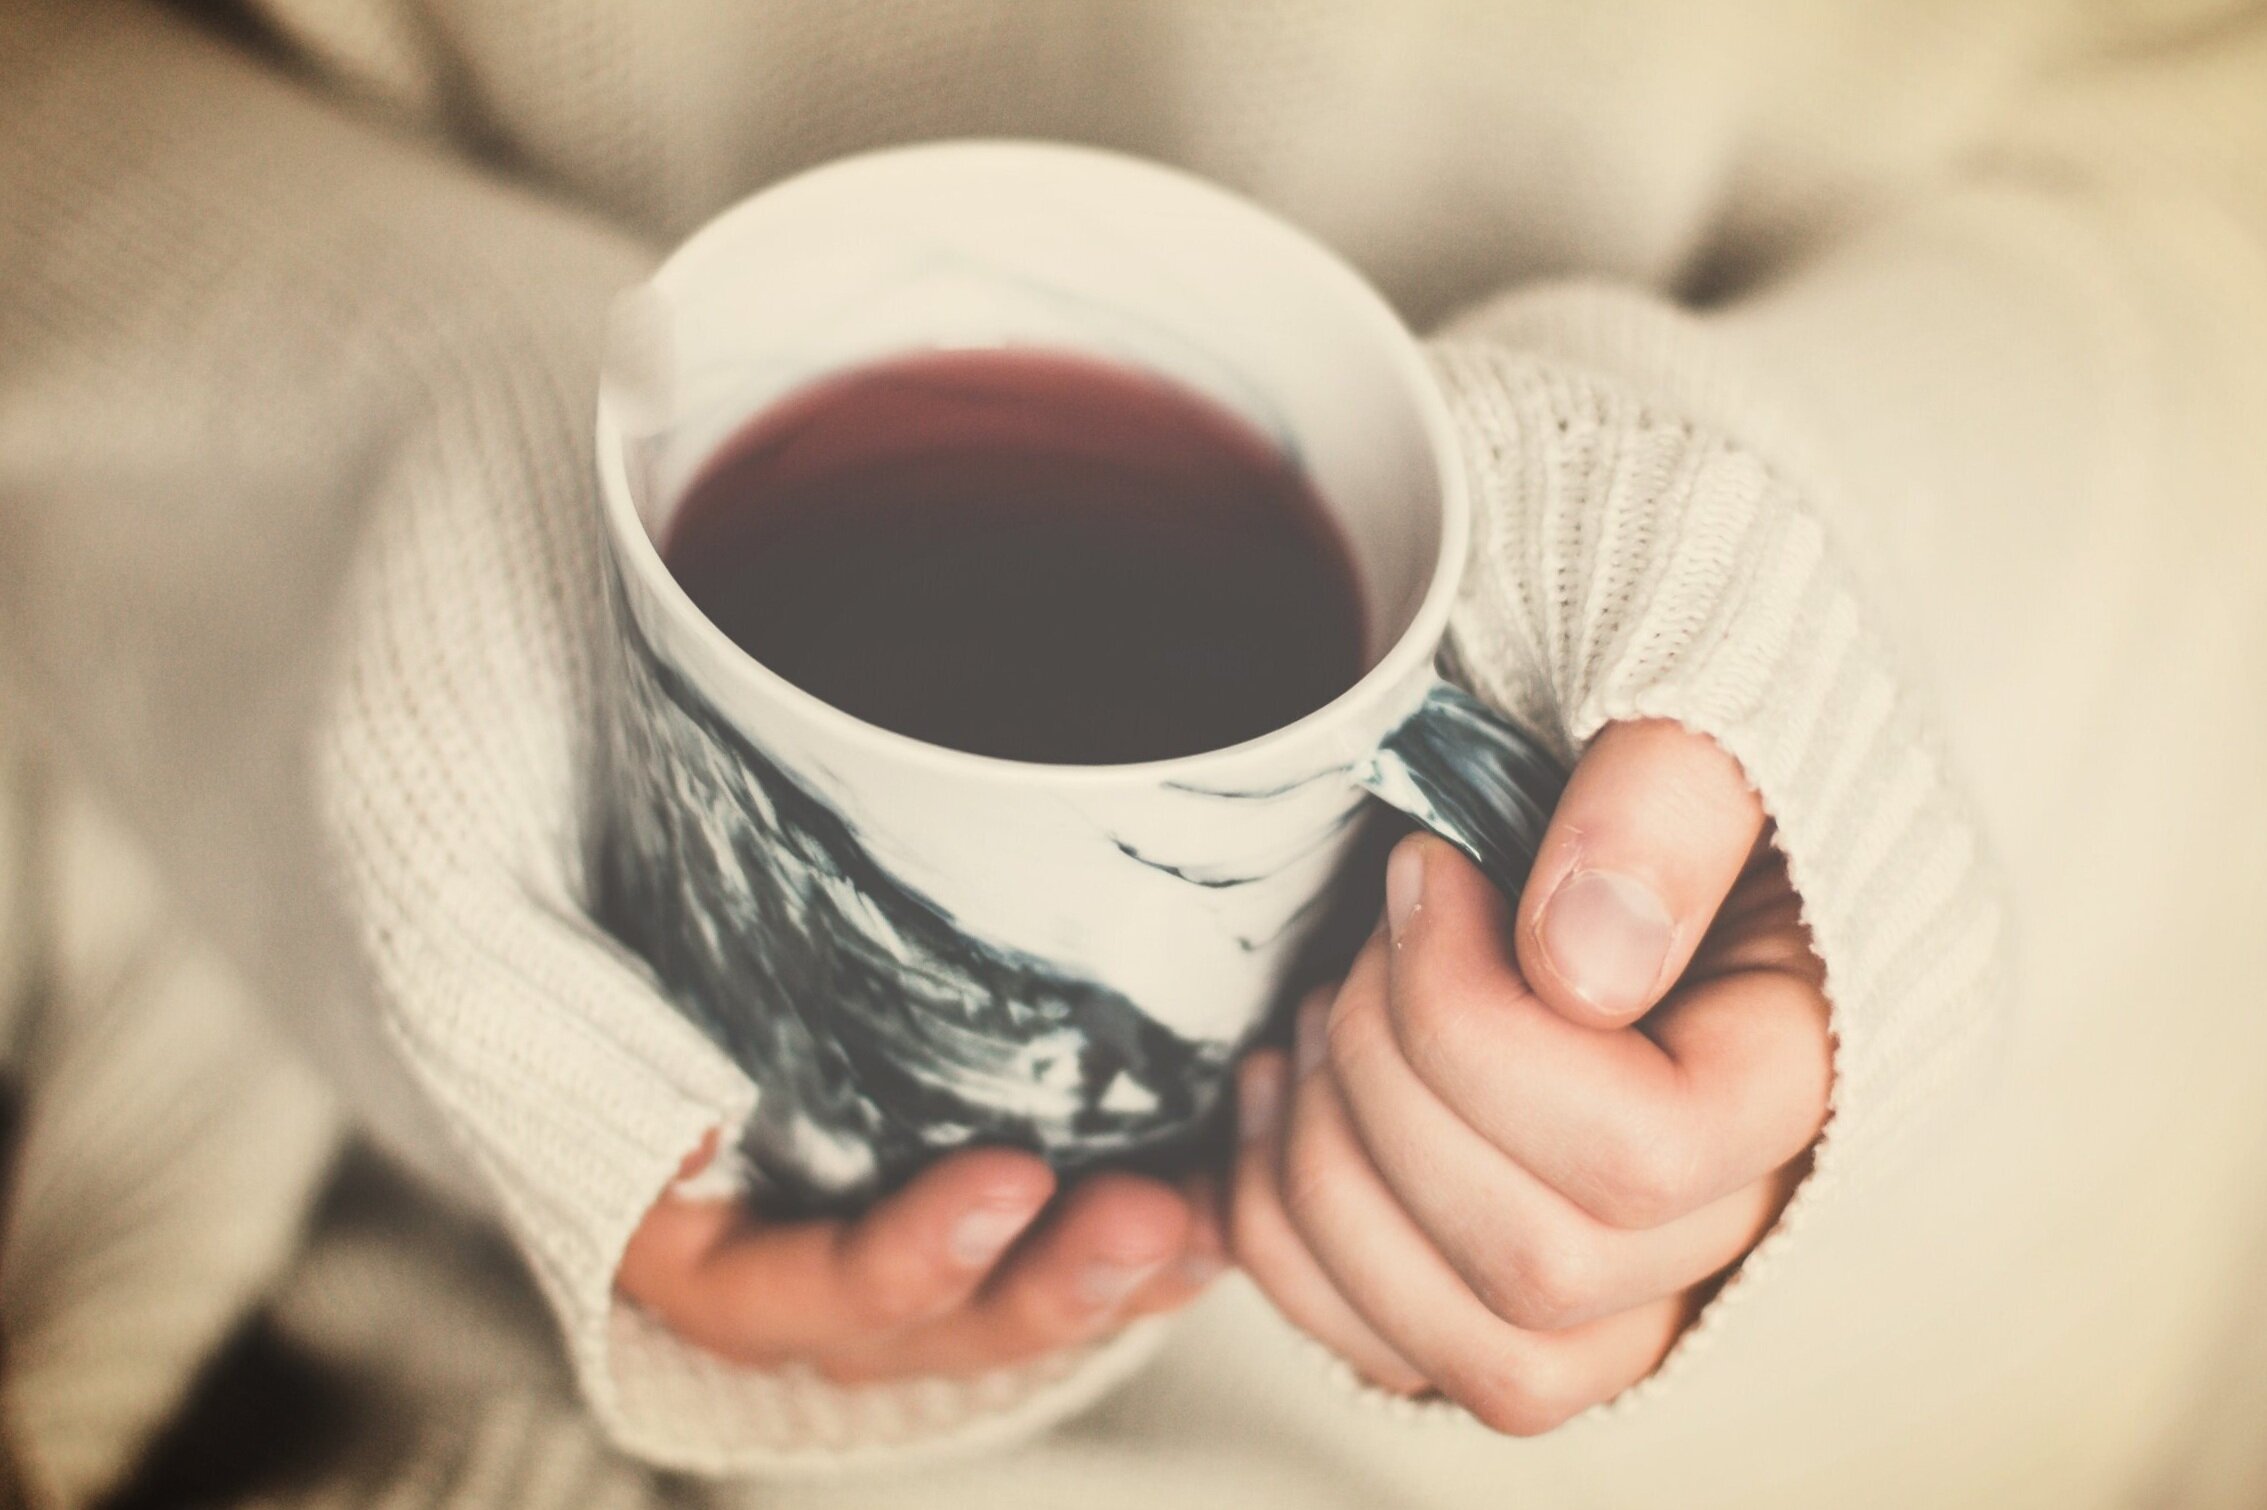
point(975, 1265)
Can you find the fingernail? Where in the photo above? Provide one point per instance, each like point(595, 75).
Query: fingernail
point(1259, 1102)
point(1607, 936)
point(1404, 887)
point(1104, 1285)
point(983, 1234)
point(711, 1175)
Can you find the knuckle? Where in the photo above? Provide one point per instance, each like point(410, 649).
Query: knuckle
point(1515, 1402)
point(1552, 1282)
point(1500, 1404)
point(1648, 1176)
point(1309, 1183)
point(893, 1291)
point(1430, 1013)
point(888, 1305)
point(1352, 1042)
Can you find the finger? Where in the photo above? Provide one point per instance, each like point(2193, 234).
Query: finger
point(1515, 1381)
point(1654, 827)
point(1532, 1256)
point(1204, 1253)
point(1638, 1128)
point(1078, 1273)
point(758, 1293)
point(1759, 927)
point(1202, 1259)
point(1270, 1251)
point(1000, 1328)
point(703, 1155)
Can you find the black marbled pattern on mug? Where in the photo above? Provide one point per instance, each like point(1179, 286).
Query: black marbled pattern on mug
point(879, 1032)
point(1462, 770)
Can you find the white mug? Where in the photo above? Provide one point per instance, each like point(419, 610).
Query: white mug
point(911, 948)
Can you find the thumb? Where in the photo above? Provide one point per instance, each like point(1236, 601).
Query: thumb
point(1656, 824)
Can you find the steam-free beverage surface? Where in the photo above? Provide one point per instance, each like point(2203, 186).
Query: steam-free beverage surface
point(1025, 554)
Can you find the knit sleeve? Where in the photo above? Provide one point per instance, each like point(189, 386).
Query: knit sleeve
point(304, 570)
point(1841, 518)
point(1633, 561)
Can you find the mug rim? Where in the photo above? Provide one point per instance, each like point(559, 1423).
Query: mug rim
point(1411, 651)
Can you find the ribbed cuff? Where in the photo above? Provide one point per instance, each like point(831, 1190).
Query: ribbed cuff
point(166, 1154)
point(326, 335)
point(551, 1054)
point(686, 1409)
point(1630, 562)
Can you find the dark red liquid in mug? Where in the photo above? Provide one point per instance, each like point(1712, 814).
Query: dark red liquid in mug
point(1025, 554)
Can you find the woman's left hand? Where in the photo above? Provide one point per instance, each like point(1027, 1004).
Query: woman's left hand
point(1508, 1165)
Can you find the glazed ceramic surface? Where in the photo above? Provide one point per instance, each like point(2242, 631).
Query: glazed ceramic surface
point(910, 948)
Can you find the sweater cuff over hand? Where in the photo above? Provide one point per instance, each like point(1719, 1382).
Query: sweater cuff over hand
point(389, 501)
point(1632, 561)
point(457, 799)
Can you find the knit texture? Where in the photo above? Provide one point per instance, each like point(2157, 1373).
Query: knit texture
point(152, 1100)
point(451, 730)
point(301, 569)
point(1631, 562)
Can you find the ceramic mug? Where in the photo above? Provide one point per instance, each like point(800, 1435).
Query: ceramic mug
point(911, 948)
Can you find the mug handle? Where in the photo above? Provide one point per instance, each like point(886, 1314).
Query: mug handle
point(1470, 775)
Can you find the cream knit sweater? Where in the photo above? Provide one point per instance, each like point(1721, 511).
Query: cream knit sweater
point(1876, 387)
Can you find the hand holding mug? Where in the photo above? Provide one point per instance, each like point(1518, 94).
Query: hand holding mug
point(929, 949)
point(950, 370)
point(1511, 1154)
point(966, 1269)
